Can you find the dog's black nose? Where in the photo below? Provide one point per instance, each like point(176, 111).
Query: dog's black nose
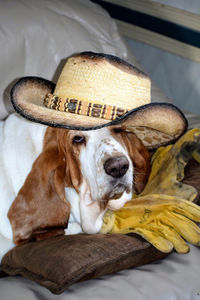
point(116, 166)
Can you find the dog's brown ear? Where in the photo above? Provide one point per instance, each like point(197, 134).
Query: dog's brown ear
point(141, 161)
point(40, 208)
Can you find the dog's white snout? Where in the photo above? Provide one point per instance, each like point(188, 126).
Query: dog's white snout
point(116, 166)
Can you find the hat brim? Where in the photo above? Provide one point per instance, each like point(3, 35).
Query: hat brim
point(155, 124)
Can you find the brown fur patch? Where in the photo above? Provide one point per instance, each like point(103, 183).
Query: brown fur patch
point(72, 153)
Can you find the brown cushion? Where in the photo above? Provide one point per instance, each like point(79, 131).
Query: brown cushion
point(58, 262)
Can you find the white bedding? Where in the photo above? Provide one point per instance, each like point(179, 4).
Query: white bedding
point(35, 37)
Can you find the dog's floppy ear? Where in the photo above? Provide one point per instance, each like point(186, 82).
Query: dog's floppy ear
point(40, 208)
point(141, 161)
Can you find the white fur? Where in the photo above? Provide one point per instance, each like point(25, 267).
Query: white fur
point(74, 224)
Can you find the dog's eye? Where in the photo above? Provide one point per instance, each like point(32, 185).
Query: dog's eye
point(117, 130)
point(77, 139)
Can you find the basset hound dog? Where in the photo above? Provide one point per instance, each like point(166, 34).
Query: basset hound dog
point(54, 179)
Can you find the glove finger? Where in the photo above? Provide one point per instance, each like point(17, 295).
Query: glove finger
point(188, 209)
point(185, 227)
point(155, 239)
point(172, 235)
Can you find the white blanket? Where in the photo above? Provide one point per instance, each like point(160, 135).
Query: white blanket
point(21, 142)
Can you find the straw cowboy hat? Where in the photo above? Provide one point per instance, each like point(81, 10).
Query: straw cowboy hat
point(96, 90)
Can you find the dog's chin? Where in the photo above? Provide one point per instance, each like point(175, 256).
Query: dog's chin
point(119, 195)
point(115, 192)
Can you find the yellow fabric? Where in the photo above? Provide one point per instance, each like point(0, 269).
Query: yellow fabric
point(163, 213)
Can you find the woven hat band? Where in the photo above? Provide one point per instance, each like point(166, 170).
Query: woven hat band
point(85, 108)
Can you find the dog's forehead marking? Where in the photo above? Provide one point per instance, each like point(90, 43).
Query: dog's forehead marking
point(100, 145)
point(102, 134)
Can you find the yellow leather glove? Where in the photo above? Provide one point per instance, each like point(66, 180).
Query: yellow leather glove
point(163, 213)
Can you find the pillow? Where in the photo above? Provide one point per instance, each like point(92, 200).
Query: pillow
point(58, 262)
